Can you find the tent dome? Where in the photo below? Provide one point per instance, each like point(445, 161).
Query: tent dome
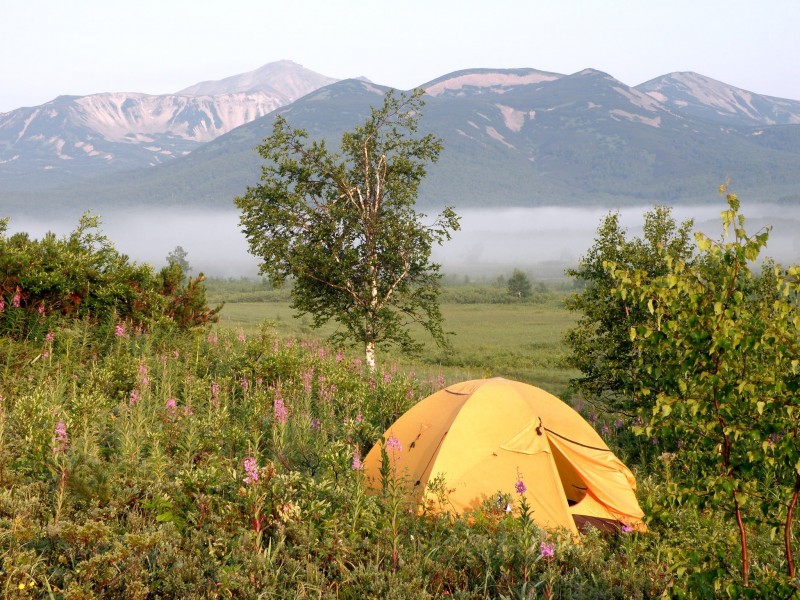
point(480, 437)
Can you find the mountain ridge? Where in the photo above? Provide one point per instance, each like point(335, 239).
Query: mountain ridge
point(522, 137)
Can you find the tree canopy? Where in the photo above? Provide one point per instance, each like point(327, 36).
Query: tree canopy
point(343, 226)
point(600, 343)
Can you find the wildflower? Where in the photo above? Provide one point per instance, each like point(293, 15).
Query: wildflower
point(240, 336)
point(16, 300)
point(308, 379)
point(215, 393)
point(2, 305)
point(212, 338)
point(187, 411)
point(50, 336)
point(40, 309)
point(339, 356)
point(251, 470)
point(619, 423)
point(394, 445)
point(119, 330)
point(387, 378)
point(61, 437)
point(279, 408)
point(546, 550)
point(316, 424)
point(171, 406)
point(520, 487)
point(605, 430)
point(245, 384)
point(357, 464)
point(134, 397)
point(440, 381)
point(359, 418)
point(626, 528)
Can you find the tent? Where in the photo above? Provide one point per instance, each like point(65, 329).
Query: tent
point(481, 437)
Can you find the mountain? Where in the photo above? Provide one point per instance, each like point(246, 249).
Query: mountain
point(706, 98)
point(283, 79)
point(511, 137)
point(74, 137)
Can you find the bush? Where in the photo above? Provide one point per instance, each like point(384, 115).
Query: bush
point(49, 282)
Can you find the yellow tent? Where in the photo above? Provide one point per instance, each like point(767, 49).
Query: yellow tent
point(480, 437)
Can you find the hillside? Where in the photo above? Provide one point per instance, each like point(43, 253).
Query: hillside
point(516, 137)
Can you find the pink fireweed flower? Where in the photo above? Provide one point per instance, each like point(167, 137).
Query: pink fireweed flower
point(250, 470)
point(626, 528)
point(240, 335)
point(16, 300)
point(245, 384)
point(215, 393)
point(394, 445)
point(316, 424)
point(2, 305)
point(357, 464)
point(134, 397)
point(212, 339)
point(61, 437)
point(171, 406)
point(339, 356)
point(547, 550)
point(308, 380)
point(50, 336)
point(40, 309)
point(279, 409)
point(520, 487)
point(387, 378)
point(119, 330)
point(359, 418)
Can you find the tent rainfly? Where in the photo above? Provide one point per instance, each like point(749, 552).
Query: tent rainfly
point(480, 437)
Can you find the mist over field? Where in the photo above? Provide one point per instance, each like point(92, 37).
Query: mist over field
point(541, 241)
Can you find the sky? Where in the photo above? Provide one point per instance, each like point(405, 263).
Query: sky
point(54, 47)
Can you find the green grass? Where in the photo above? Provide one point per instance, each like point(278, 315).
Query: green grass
point(126, 469)
point(520, 341)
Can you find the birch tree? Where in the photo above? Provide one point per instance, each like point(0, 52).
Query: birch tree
point(343, 227)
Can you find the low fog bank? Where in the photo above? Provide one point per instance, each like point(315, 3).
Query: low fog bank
point(541, 241)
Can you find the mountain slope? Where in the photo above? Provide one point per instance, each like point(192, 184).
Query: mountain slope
point(511, 138)
point(74, 137)
point(703, 97)
point(283, 79)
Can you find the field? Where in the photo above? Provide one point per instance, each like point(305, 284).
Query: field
point(223, 462)
point(518, 340)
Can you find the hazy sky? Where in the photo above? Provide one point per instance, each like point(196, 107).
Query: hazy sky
point(54, 47)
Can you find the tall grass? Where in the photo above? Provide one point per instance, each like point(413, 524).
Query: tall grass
point(224, 463)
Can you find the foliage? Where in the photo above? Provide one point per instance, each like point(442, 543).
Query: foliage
point(719, 355)
point(600, 342)
point(345, 230)
point(220, 462)
point(179, 256)
point(223, 464)
point(81, 276)
point(519, 285)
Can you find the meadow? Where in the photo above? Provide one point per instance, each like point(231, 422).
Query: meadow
point(223, 462)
